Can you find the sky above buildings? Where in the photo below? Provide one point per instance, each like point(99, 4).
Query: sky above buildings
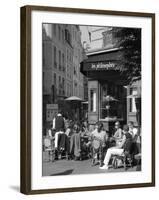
point(91, 36)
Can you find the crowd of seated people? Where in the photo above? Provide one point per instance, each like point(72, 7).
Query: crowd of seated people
point(70, 137)
point(79, 140)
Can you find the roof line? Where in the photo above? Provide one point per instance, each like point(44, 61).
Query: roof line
point(97, 51)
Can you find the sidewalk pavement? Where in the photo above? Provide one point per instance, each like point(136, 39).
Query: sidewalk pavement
point(71, 167)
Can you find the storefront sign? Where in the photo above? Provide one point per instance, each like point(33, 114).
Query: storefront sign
point(105, 66)
point(101, 66)
point(51, 106)
point(51, 111)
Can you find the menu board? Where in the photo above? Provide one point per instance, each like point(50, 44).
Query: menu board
point(51, 111)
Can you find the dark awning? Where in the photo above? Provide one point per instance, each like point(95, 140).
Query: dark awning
point(104, 66)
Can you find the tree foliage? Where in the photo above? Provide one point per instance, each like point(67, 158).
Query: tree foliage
point(129, 39)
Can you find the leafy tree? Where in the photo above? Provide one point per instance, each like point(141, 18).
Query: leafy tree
point(129, 39)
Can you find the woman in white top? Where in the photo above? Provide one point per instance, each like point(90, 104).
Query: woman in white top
point(118, 133)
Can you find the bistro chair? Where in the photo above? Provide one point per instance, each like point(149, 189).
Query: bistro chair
point(49, 147)
point(125, 160)
point(97, 151)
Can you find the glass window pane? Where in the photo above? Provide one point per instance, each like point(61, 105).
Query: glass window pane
point(93, 101)
point(133, 92)
point(111, 101)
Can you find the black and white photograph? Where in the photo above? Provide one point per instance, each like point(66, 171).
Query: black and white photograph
point(91, 99)
point(88, 99)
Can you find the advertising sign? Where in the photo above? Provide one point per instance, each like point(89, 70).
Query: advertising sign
point(51, 111)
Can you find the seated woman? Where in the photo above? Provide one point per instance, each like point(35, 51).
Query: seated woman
point(91, 128)
point(84, 127)
point(75, 142)
point(68, 129)
point(123, 146)
point(86, 133)
point(117, 137)
point(99, 140)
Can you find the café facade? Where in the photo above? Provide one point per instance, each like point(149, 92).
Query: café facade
point(110, 97)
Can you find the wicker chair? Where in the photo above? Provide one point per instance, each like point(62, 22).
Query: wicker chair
point(49, 147)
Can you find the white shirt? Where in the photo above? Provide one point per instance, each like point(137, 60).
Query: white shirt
point(133, 131)
point(102, 135)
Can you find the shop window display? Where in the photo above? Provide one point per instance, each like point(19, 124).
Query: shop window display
point(93, 101)
point(111, 102)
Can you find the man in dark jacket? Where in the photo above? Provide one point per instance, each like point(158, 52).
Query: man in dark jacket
point(58, 126)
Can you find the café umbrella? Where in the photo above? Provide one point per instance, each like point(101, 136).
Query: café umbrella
point(75, 103)
point(74, 98)
point(133, 96)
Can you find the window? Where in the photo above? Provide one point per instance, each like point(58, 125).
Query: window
point(93, 100)
point(63, 36)
point(112, 103)
point(54, 79)
point(43, 50)
point(59, 84)
point(63, 62)
point(59, 32)
point(68, 36)
point(67, 54)
point(63, 85)
point(55, 61)
point(74, 70)
point(59, 60)
point(54, 27)
point(133, 93)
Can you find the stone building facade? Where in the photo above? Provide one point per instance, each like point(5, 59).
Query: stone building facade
point(62, 54)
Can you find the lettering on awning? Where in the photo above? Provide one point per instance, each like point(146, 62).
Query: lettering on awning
point(105, 66)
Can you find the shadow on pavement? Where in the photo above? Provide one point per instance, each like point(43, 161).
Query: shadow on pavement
point(66, 172)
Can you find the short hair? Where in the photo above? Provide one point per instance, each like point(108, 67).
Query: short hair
point(117, 123)
point(76, 127)
point(99, 124)
point(131, 122)
point(125, 128)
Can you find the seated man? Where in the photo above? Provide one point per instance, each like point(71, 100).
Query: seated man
point(136, 138)
point(91, 128)
point(99, 133)
point(120, 148)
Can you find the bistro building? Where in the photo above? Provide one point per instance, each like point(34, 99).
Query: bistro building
point(110, 97)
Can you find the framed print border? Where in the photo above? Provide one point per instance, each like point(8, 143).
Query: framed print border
point(26, 107)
